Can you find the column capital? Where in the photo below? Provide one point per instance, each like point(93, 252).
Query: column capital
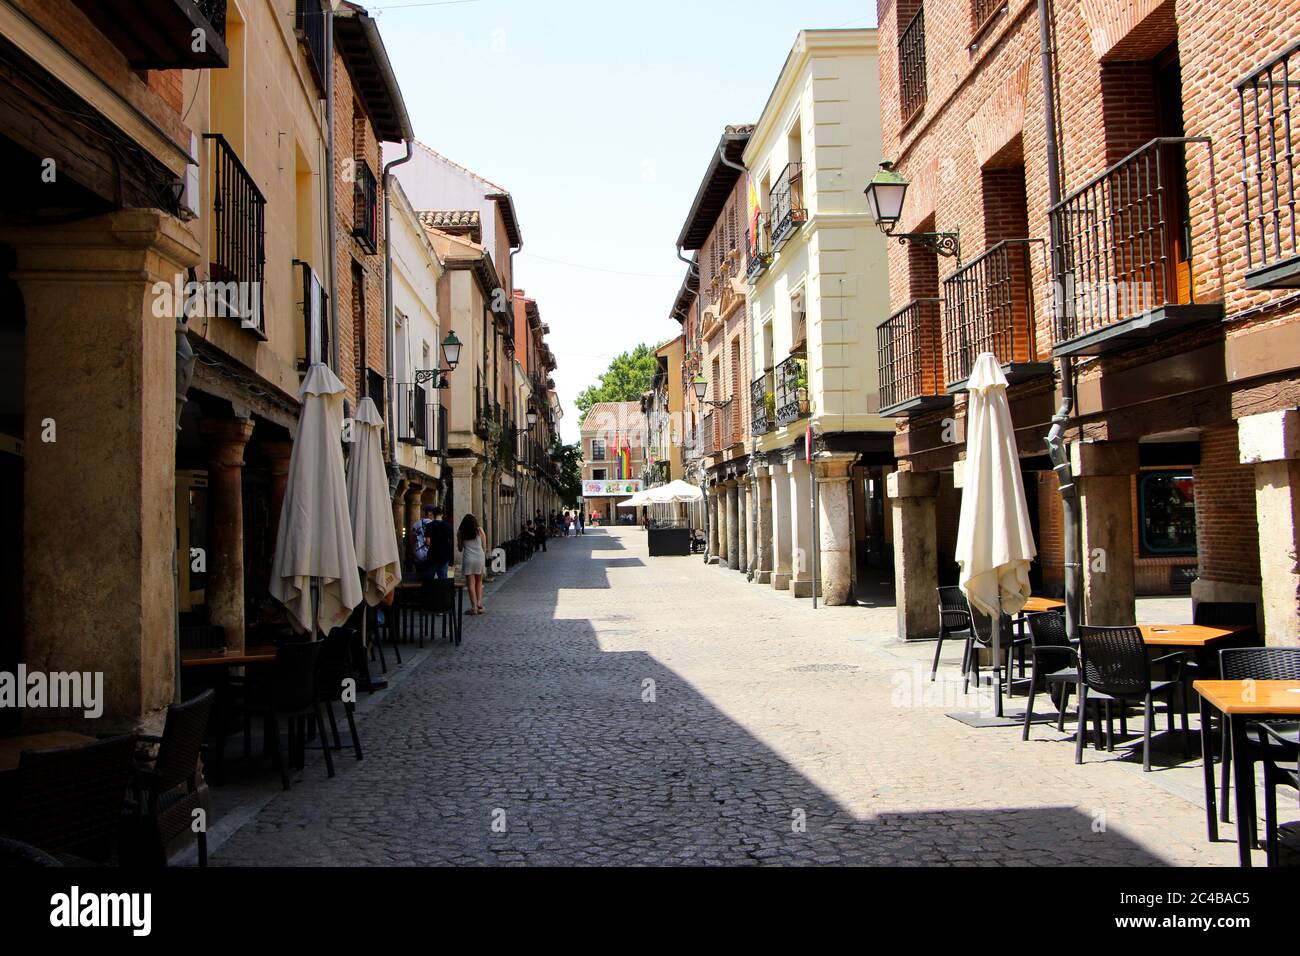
point(279, 453)
point(226, 438)
point(912, 484)
point(1269, 436)
point(835, 466)
point(1091, 459)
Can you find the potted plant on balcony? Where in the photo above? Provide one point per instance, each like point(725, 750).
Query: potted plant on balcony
point(769, 405)
point(801, 384)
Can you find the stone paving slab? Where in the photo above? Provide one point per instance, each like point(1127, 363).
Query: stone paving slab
point(613, 708)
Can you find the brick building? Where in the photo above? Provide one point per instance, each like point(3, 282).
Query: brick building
point(1169, 287)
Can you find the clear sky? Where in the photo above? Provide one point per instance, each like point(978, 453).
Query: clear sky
point(600, 118)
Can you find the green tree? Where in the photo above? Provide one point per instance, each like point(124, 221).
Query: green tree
point(570, 478)
point(626, 380)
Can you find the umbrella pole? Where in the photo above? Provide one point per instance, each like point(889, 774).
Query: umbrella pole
point(315, 607)
point(997, 658)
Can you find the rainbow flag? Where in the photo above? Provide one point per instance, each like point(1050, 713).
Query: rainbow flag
point(625, 461)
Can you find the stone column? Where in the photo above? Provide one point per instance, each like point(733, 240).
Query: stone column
point(1104, 471)
point(414, 490)
point(912, 497)
point(399, 517)
point(742, 520)
point(733, 525)
point(99, 457)
point(714, 536)
point(763, 528)
point(782, 551)
point(835, 527)
point(1271, 442)
point(801, 585)
point(224, 595)
point(465, 481)
point(279, 454)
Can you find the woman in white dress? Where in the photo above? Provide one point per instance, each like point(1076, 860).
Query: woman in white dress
point(473, 560)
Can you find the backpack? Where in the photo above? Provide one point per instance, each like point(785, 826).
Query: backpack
point(422, 540)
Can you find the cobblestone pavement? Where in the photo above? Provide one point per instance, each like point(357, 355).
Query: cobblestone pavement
point(612, 708)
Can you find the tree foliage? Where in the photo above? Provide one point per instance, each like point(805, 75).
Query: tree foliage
point(626, 380)
point(570, 477)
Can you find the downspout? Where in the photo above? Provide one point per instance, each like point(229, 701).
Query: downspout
point(330, 199)
point(1057, 447)
point(390, 314)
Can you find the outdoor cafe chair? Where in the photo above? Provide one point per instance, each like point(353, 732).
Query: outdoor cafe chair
point(167, 787)
point(1255, 663)
point(288, 692)
point(954, 625)
point(68, 801)
point(1116, 667)
point(333, 670)
point(1278, 742)
point(438, 599)
point(1054, 664)
point(980, 638)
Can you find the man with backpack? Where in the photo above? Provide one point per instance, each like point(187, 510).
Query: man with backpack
point(434, 545)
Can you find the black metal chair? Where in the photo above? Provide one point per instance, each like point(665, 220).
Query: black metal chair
point(954, 624)
point(981, 639)
point(1055, 664)
point(168, 787)
point(288, 691)
point(1115, 664)
point(336, 681)
point(438, 600)
point(68, 801)
point(1276, 739)
point(1253, 663)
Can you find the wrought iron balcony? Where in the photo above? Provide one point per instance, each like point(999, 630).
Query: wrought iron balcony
point(411, 406)
point(1129, 264)
point(989, 307)
point(708, 434)
point(790, 397)
point(758, 250)
point(1270, 144)
point(762, 403)
point(310, 22)
point(237, 237)
point(911, 379)
point(365, 208)
point(911, 66)
point(180, 34)
point(786, 202)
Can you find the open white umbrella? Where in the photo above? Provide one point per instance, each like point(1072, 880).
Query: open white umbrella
point(673, 492)
point(995, 542)
point(637, 500)
point(314, 550)
point(370, 507)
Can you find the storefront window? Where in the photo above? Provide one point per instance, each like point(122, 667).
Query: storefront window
point(1167, 513)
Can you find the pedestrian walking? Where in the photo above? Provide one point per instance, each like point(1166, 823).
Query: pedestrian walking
point(581, 522)
point(539, 529)
point(473, 560)
point(433, 545)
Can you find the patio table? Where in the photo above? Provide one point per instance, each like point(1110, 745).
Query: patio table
point(221, 657)
point(1241, 701)
point(11, 748)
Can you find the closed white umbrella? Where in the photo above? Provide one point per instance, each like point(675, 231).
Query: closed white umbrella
point(314, 550)
point(995, 542)
point(371, 508)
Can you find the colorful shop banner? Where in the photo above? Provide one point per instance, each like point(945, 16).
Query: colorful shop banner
point(609, 489)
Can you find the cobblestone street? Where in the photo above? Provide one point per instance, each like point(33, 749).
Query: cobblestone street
point(611, 708)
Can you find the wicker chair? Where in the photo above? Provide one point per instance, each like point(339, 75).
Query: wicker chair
point(1276, 738)
point(981, 638)
point(438, 600)
point(1116, 665)
point(168, 787)
point(954, 624)
point(1257, 663)
point(289, 692)
point(68, 801)
point(1055, 664)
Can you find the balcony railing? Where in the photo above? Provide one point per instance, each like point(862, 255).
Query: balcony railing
point(365, 208)
point(758, 249)
point(412, 409)
point(983, 12)
point(1267, 100)
point(709, 434)
point(989, 307)
point(1128, 269)
point(180, 34)
point(786, 203)
point(237, 238)
point(762, 403)
point(311, 28)
point(908, 342)
point(791, 390)
point(911, 66)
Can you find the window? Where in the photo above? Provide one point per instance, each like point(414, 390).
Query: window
point(1167, 513)
point(598, 450)
point(598, 474)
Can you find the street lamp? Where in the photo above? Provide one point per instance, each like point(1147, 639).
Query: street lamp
point(701, 385)
point(451, 355)
point(885, 194)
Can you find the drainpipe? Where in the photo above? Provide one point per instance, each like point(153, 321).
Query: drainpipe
point(332, 252)
point(1057, 448)
point(390, 313)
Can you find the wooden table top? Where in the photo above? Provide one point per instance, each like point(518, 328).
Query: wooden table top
point(12, 747)
point(1036, 605)
point(222, 657)
point(1187, 635)
point(416, 585)
point(1274, 697)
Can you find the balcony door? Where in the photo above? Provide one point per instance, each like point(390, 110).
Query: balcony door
point(1173, 159)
